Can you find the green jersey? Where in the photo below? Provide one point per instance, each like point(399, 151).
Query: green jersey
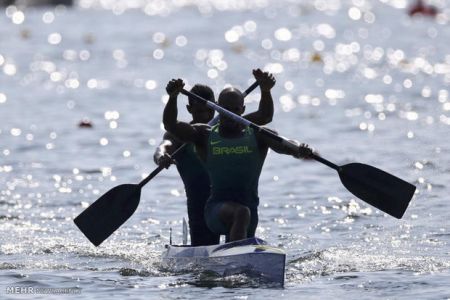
point(234, 166)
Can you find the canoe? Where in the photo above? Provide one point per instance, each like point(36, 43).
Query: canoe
point(252, 257)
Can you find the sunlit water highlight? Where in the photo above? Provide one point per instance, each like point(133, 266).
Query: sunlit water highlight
point(81, 98)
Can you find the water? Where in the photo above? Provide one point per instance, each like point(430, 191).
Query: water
point(358, 80)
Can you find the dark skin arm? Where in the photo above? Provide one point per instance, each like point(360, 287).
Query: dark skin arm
point(182, 130)
point(264, 114)
point(301, 151)
point(185, 132)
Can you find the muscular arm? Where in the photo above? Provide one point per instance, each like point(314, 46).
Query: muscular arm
point(301, 151)
point(183, 131)
point(264, 114)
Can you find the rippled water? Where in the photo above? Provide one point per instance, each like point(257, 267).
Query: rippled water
point(358, 80)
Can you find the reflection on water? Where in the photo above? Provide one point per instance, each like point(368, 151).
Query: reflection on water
point(81, 98)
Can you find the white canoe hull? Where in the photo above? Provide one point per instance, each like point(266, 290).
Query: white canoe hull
point(251, 256)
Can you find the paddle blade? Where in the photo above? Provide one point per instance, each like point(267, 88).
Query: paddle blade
point(378, 188)
point(109, 212)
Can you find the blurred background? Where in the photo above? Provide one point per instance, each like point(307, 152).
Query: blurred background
point(82, 89)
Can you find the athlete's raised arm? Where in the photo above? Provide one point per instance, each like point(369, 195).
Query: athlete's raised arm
point(264, 114)
point(183, 131)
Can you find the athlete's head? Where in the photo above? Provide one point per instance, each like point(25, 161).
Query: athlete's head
point(199, 111)
point(232, 100)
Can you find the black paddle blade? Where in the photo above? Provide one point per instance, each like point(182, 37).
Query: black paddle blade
point(378, 188)
point(109, 212)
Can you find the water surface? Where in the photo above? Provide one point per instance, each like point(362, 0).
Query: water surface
point(357, 80)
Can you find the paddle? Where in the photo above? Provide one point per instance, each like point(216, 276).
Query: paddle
point(112, 209)
point(382, 190)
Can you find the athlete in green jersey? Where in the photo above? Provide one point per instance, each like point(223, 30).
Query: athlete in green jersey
point(191, 169)
point(233, 155)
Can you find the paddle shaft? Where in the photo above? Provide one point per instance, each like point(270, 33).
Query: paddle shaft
point(213, 121)
point(260, 129)
point(326, 162)
point(257, 128)
point(374, 186)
